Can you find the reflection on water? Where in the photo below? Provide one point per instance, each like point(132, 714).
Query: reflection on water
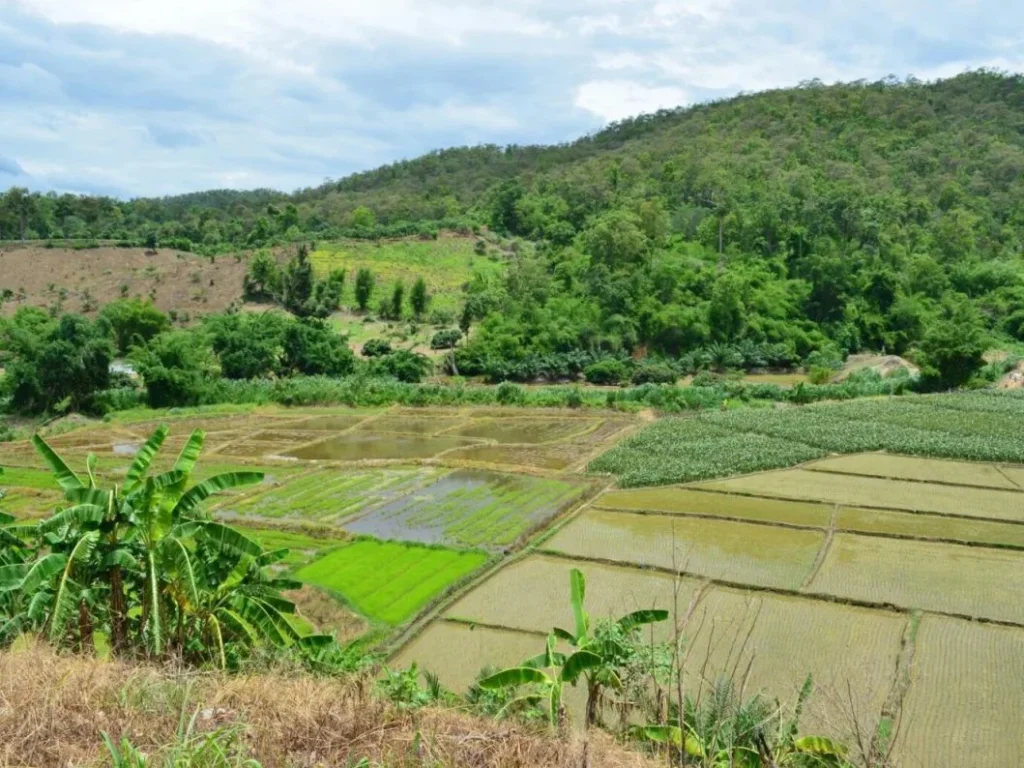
point(470, 508)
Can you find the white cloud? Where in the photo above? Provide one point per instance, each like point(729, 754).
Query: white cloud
point(145, 97)
point(616, 99)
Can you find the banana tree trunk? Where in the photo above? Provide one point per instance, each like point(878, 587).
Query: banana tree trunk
point(84, 627)
point(118, 612)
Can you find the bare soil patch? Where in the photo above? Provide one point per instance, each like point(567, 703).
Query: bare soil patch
point(93, 277)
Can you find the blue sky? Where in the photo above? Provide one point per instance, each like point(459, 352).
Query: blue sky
point(149, 97)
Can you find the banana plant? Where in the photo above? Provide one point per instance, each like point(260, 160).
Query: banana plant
point(547, 674)
point(613, 648)
point(131, 549)
point(596, 659)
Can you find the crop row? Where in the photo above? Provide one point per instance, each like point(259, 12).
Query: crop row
point(739, 441)
point(681, 450)
point(471, 509)
point(329, 493)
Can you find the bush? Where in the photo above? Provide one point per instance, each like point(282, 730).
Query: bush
point(376, 348)
point(510, 394)
point(405, 366)
point(606, 372)
point(819, 374)
point(446, 339)
point(654, 373)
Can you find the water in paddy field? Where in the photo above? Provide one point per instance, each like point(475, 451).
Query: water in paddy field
point(522, 431)
point(334, 423)
point(470, 508)
point(353, 447)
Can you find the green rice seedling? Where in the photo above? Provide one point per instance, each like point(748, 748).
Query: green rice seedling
point(390, 581)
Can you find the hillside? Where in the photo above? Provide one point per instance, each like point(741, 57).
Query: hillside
point(789, 227)
point(85, 280)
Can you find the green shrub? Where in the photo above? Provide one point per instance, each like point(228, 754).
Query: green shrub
point(606, 372)
point(820, 374)
point(376, 348)
point(446, 339)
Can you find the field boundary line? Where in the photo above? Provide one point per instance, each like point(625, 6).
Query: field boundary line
point(826, 545)
point(822, 597)
point(709, 516)
point(527, 545)
point(854, 531)
point(486, 625)
point(966, 486)
point(892, 708)
point(877, 507)
point(1009, 479)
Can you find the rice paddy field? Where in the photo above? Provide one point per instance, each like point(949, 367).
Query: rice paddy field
point(877, 545)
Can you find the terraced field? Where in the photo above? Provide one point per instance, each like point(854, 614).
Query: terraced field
point(335, 474)
point(861, 569)
point(877, 545)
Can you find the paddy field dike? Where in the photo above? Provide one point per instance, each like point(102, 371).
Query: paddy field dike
point(877, 545)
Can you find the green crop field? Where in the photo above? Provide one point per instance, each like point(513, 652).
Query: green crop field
point(471, 509)
point(329, 495)
point(390, 581)
point(301, 547)
point(445, 264)
point(751, 440)
point(762, 555)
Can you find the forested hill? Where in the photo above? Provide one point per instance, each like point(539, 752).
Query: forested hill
point(851, 216)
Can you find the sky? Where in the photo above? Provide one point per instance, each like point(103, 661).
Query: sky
point(146, 98)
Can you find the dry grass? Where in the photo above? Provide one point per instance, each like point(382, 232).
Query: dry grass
point(53, 710)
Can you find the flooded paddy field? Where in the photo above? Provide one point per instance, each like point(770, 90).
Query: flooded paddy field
point(912, 468)
point(335, 474)
point(471, 508)
point(853, 568)
point(802, 484)
point(726, 550)
point(947, 578)
point(330, 494)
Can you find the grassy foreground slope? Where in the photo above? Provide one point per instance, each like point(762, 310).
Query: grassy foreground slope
point(57, 708)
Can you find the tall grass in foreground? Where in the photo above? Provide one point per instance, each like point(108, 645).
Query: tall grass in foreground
point(58, 707)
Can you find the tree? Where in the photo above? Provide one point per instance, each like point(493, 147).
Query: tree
point(397, 299)
point(310, 347)
point(363, 218)
point(953, 348)
point(55, 366)
point(177, 367)
point(21, 205)
point(297, 283)
point(263, 280)
point(419, 298)
point(364, 288)
point(133, 322)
